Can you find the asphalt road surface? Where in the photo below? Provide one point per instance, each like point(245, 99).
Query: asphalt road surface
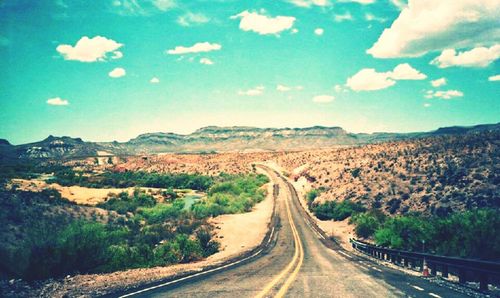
point(298, 264)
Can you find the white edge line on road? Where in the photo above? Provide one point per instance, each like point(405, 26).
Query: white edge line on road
point(190, 276)
point(417, 287)
point(376, 269)
point(434, 295)
point(270, 236)
point(344, 254)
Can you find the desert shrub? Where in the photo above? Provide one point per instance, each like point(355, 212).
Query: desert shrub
point(336, 211)
point(162, 212)
point(311, 196)
point(404, 232)
point(125, 203)
point(367, 223)
point(233, 194)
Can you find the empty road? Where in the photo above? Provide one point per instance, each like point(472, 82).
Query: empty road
point(298, 264)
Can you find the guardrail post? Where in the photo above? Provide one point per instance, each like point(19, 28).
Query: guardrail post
point(432, 266)
point(462, 276)
point(483, 282)
point(445, 271)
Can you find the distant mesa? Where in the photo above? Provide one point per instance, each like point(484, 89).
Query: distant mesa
point(221, 139)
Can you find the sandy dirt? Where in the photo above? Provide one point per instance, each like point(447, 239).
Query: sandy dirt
point(86, 195)
point(254, 225)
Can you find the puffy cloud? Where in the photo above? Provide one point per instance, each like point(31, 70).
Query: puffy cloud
point(262, 24)
point(190, 19)
point(368, 79)
point(427, 105)
point(494, 78)
point(309, 3)
point(323, 98)
point(477, 57)
point(448, 94)
point(164, 5)
point(57, 101)
point(90, 49)
point(428, 25)
point(399, 3)
point(196, 48)
point(284, 88)
point(154, 80)
point(342, 17)
point(259, 90)
point(406, 72)
point(319, 31)
point(439, 82)
point(117, 72)
point(206, 61)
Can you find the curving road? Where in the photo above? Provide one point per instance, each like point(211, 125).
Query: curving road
point(299, 264)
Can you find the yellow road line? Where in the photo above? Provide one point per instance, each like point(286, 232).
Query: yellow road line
point(299, 253)
point(293, 276)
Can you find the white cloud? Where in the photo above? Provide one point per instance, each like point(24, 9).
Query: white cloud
point(406, 72)
point(154, 80)
point(164, 5)
point(494, 78)
point(309, 3)
point(364, 2)
point(262, 24)
point(448, 94)
point(319, 31)
point(340, 89)
point(323, 98)
point(117, 72)
point(438, 83)
point(368, 79)
point(190, 19)
point(206, 61)
point(117, 55)
point(427, 105)
point(429, 25)
point(371, 17)
point(259, 90)
point(343, 17)
point(294, 30)
point(399, 3)
point(57, 101)
point(90, 49)
point(477, 57)
point(141, 7)
point(196, 48)
point(284, 88)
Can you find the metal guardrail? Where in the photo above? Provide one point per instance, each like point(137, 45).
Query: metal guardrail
point(466, 269)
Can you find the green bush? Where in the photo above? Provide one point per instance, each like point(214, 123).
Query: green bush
point(367, 223)
point(336, 211)
point(233, 194)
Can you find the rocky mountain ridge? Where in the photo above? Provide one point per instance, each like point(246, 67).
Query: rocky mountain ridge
point(218, 139)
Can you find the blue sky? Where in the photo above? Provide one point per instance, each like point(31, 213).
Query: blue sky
point(111, 70)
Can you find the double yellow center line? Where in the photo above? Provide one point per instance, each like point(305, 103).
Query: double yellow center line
point(297, 260)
